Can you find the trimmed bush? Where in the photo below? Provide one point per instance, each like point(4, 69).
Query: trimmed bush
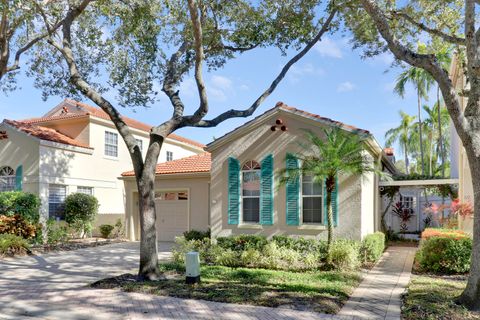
point(445, 254)
point(80, 212)
point(302, 245)
point(196, 235)
point(344, 255)
point(445, 233)
point(18, 226)
point(11, 245)
point(106, 230)
point(57, 232)
point(242, 242)
point(22, 203)
point(373, 246)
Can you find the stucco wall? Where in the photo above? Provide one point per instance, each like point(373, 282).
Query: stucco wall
point(255, 145)
point(20, 149)
point(198, 186)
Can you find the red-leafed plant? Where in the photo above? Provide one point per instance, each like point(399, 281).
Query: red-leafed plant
point(405, 215)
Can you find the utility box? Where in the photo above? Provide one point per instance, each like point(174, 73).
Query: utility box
point(192, 266)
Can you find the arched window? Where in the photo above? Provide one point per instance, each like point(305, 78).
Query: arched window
point(251, 192)
point(7, 179)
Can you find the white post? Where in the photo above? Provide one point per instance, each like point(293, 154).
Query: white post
point(192, 265)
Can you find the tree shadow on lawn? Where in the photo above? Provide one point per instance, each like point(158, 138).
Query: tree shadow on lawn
point(307, 291)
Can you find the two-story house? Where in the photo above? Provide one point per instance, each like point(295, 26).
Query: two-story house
point(75, 148)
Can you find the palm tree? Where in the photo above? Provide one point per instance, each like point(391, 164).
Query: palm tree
point(325, 158)
point(422, 81)
point(438, 118)
point(401, 134)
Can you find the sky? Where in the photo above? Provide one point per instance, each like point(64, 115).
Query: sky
point(332, 80)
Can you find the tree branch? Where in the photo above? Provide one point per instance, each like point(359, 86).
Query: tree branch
point(50, 29)
point(199, 57)
point(188, 120)
point(426, 62)
point(77, 80)
point(447, 37)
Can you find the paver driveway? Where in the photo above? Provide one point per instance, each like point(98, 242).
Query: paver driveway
point(54, 286)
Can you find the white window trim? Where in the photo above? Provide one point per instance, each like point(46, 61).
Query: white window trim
point(249, 223)
point(322, 218)
point(106, 156)
point(11, 180)
point(167, 154)
point(67, 189)
point(92, 188)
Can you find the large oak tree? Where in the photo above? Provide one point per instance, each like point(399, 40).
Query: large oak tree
point(136, 46)
point(398, 28)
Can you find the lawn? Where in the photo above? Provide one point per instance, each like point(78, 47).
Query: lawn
point(318, 291)
point(432, 297)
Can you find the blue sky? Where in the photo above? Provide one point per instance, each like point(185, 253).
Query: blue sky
point(331, 80)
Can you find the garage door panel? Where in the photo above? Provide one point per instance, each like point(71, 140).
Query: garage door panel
point(172, 218)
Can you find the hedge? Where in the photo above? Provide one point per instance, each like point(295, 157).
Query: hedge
point(445, 251)
point(373, 246)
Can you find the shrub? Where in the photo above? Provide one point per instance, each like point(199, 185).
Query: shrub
point(11, 245)
point(119, 230)
point(106, 230)
point(344, 255)
point(80, 212)
point(196, 235)
point(446, 233)
point(18, 226)
point(445, 254)
point(203, 247)
point(22, 203)
point(242, 242)
point(373, 246)
point(57, 232)
point(302, 245)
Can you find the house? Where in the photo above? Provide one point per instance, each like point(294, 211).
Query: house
point(75, 148)
point(232, 188)
point(459, 166)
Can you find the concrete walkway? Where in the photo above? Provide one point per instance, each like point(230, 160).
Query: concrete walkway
point(379, 296)
point(53, 286)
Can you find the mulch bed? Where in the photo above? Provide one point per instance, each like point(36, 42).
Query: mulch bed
point(74, 244)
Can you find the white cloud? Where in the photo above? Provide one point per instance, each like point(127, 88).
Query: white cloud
point(346, 86)
point(244, 87)
point(222, 83)
point(329, 48)
point(188, 88)
point(296, 72)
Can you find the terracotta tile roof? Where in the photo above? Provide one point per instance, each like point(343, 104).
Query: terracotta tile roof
point(97, 112)
point(281, 106)
point(44, 133)
point(193, 164)
point(88, 110)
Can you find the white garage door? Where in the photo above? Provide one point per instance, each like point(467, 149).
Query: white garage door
point(172, 214)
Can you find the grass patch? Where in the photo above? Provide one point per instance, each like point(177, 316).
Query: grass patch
point(433, 297)
point(315, 291)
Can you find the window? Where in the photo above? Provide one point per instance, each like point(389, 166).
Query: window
point(168, 196)
point(251, 192)
point(169, 155)
point(56, 201)
point(406, 201)
point(312, 197)
point(85, 190)
point(140, 144)
point(111, 144)
point(7, 179)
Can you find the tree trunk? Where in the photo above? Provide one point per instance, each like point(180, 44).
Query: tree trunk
point(330, 186)
point(420, 136)
point(471, 296)
point(149, 269)
point(440, 138)
point(406, 159)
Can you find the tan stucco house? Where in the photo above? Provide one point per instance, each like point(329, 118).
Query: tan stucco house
point(75, 147)
point(233, 188)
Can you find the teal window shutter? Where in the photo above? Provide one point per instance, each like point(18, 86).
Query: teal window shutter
point(266, 191)
point(334, 204)
point(233, 190)
point(293, 193)
point(19, 178)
